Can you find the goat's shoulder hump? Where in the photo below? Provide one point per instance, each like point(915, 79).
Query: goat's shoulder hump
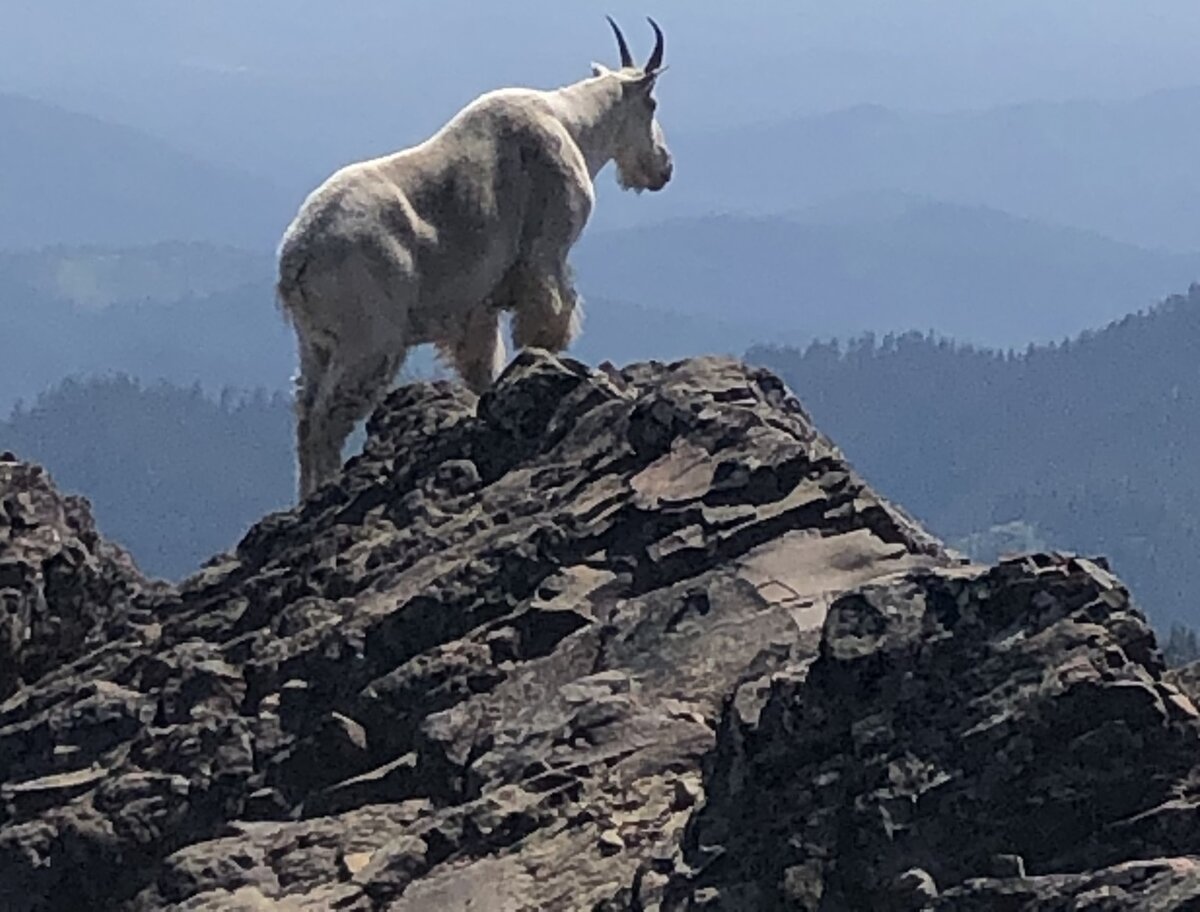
point(501, 108)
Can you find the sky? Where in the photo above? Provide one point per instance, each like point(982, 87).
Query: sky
point(775, 56)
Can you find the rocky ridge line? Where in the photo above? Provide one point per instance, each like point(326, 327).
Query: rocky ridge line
point(619, 639)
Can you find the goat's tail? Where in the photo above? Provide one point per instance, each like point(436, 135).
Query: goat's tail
point(283, 307)
point(289, 285)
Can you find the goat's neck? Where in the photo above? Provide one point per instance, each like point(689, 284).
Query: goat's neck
point(591, 112)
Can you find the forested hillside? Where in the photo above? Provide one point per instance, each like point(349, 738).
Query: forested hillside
point(1091, 444)
point(172, 474)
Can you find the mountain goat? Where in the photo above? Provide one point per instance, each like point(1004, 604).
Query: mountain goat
point(431, 243)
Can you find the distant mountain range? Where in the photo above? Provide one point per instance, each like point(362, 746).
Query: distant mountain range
point(1125, 169)
point(68, 178)
point(881, 262)
point(291, 90)
point(871, 262)
point(126, 253)
point(95, 277)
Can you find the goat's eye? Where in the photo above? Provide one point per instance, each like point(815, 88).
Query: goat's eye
point(651, 104)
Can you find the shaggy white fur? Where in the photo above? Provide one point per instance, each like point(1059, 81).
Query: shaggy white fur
point(431, 243)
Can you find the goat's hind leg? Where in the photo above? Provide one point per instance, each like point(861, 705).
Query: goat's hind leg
point(314, 365)
point(359, 304)
point(352, 386)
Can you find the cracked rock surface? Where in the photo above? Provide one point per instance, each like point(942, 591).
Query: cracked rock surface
point(63, 589)
point(969, 739)
point(599, 640)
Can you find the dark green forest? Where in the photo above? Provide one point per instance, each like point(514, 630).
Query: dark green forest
point(173, 475)
point(1089, 445)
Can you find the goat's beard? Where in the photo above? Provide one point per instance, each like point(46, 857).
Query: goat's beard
point(632, 179)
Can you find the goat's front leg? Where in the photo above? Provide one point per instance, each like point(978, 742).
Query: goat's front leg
point(476, 351)
point(547, 311)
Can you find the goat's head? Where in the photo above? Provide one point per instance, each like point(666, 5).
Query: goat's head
point(641, 154)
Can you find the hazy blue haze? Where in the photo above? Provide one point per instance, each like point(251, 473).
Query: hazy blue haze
point(290, 90)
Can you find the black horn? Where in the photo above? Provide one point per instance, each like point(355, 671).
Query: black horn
point(626, 57)
point(656, 55)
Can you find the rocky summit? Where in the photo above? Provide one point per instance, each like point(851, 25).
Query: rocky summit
point(600, 640)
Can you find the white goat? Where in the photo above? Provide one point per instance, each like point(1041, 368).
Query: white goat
point(431, 243)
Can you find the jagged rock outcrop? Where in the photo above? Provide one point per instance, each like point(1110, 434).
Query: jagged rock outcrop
point(600, 640)
point(969, 739)
point(62, 587)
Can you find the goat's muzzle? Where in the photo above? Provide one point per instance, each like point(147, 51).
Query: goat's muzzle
point(664, 177)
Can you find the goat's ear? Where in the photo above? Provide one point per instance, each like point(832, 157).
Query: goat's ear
point(599, 69)
point(641, 83)
point(647, 80)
